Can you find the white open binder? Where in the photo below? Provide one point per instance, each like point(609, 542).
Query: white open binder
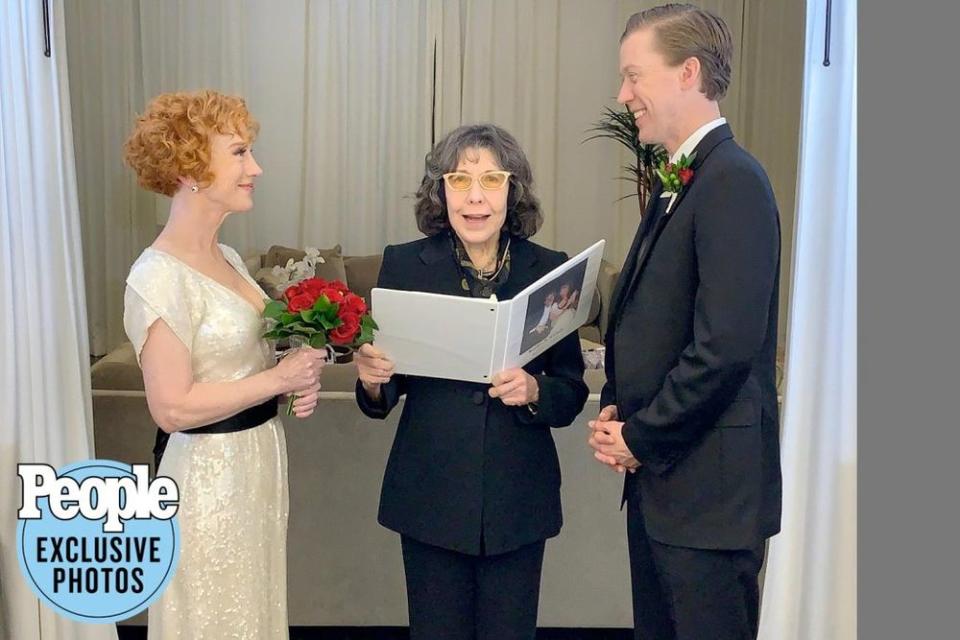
point(462, 338)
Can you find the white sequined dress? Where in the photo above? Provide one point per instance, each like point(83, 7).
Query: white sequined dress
point(234, 502)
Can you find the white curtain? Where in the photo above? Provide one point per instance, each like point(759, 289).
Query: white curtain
point(810, 587)
point(106, 93)
point(45, 413)
point(369, 106)
point(767, 122)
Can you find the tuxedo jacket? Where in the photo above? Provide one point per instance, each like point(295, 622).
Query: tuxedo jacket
point(465, 467)
point(690, 357)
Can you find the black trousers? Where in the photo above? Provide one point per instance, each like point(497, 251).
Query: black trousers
point(452, 595)
point(691, 594)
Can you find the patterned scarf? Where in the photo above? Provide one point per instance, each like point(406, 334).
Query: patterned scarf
point(482, 284)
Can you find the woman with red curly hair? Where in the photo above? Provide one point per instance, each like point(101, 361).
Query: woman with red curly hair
point(193, 314)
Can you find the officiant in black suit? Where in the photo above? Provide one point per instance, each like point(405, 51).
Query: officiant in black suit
point(473, 480)
point(690, 404)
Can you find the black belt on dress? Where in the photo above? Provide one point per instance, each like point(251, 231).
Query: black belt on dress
point(246, 419)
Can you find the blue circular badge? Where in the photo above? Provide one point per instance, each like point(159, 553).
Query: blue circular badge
point(101, 553)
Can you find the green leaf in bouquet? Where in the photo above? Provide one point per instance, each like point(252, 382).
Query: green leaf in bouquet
point(366, 335)
point(303, 329)
point(277, 334)
point(318, 340)
point(326, 309)
point(329, 323)
point(323, 304)
point(367, 322)
point(307, 315)
point(286, 317)
point(274, 309)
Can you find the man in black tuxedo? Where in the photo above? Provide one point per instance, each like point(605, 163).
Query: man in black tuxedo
point(690, 405)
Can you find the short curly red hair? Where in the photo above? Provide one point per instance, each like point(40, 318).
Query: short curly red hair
point(172, 137)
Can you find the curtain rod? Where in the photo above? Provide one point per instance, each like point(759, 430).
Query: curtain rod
point(826, 36)
point(46, 28)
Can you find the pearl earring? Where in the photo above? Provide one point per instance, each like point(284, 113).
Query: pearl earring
point(195, 188)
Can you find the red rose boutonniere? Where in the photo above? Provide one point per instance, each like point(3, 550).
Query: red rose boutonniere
point(676, 175)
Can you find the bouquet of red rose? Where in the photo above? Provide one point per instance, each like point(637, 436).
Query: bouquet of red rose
point(322, 315)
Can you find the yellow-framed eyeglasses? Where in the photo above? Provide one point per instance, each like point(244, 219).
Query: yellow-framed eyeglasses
point(489, 180)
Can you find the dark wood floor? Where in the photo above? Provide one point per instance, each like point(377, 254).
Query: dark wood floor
point(401, 633)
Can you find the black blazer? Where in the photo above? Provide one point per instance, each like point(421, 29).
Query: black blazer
point(463, 464)
point(690, 359)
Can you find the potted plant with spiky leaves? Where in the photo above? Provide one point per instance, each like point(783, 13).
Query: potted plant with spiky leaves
point(622, 127)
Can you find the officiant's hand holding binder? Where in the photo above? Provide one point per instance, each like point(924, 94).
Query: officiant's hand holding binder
point(471, 339)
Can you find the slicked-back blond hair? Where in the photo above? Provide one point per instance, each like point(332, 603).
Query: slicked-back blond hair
point(686, 31)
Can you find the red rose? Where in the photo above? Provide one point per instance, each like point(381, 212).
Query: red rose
point(300, 302)
point(314, 286)
point(686, 175)
point(291, 292)
point(339, 286)
point(347, 331)
point(354, 304)
point(333, 295)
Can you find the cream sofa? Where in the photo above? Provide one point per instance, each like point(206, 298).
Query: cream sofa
point(344, 569)
point(118, 370)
